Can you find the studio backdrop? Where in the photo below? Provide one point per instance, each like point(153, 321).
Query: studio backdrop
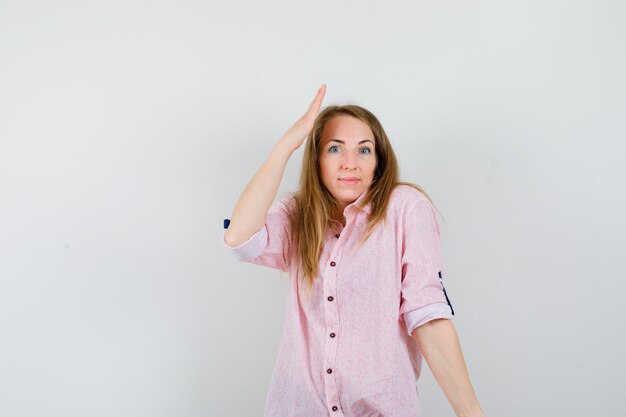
point(129, 129)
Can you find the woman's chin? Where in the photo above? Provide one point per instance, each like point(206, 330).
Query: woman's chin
point(347, 196)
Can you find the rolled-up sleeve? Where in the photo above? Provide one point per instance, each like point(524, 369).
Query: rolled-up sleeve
point(423, 296)
point(270, 245)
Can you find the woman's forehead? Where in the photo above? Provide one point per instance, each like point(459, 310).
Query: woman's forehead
point(347, 129)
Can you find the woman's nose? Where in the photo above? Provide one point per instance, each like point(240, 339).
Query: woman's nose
point(349, 160)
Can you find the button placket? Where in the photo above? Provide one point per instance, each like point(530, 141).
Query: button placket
point(331, 314)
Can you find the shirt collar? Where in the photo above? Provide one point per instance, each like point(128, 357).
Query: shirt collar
point(358, 203)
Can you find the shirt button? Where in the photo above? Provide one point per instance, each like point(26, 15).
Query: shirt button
point(334, 408)
point(330, 371)
point(333, 263)
point(330, 298)
point(337, 235)
point(332, 335)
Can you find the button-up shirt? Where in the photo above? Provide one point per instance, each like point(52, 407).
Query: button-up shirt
point(347, 348)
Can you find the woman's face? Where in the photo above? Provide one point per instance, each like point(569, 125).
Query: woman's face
point(347, 158)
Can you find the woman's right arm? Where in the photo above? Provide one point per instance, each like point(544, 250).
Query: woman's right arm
point(257, 197)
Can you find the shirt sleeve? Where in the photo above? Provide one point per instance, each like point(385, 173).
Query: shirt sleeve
point(269, 246)
point(423, 296)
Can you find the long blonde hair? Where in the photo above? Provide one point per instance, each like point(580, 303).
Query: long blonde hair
point(315, 206)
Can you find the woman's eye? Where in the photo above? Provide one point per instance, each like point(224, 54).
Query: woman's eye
point(365, 150)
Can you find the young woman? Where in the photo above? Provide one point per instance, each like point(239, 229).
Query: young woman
point(362, 249)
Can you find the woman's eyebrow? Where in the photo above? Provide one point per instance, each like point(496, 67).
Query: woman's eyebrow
point(342, 142)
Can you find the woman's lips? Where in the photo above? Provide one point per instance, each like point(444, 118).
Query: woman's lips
point(349, 181)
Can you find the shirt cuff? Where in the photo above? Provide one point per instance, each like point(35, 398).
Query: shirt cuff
point(251, 248)
point(416, 318)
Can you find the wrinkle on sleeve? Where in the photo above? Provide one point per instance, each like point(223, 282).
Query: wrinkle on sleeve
point(270, 245)
point(423, 296)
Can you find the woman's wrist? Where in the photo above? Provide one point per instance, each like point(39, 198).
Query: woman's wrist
point(283, 149)
point(476, 413)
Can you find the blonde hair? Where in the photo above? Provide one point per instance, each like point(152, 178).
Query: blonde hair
point(315, 206)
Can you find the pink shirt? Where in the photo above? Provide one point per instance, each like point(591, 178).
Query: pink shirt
point(347, 349)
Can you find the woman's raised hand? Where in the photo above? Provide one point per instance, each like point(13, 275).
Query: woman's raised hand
point(295, 136)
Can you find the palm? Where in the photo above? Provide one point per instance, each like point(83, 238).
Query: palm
point(297, 133)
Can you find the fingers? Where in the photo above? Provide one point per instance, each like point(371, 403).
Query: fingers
point(321, 91)
point(317, 101)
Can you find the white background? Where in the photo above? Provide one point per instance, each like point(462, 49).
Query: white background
point(129, 128)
